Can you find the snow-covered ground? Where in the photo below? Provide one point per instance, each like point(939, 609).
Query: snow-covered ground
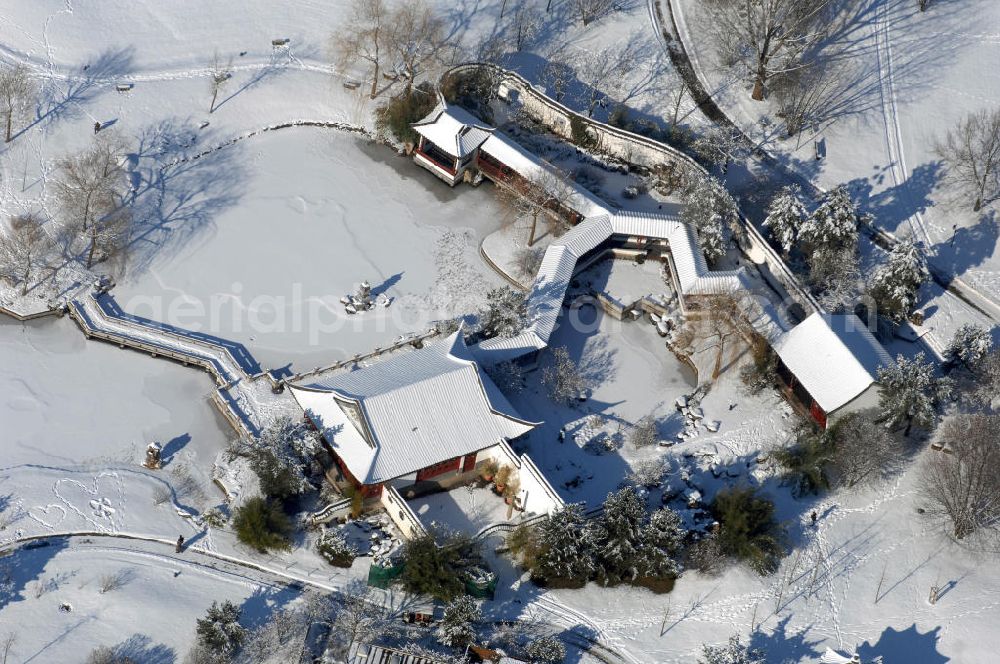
point(298, 216)
point(909, 77)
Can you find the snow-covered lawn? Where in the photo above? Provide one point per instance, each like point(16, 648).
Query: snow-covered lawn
point(149, 615)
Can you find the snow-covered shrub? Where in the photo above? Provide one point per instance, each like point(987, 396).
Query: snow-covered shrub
point(280, 457)
point(335, 549)
point(749, 531)
point(895, 283)
point(734, 652)
point(969, 346)
point(644, 433)
point(546, 650)
point(220, 631)
point(274, 636)
point(528, 261)
point(648, 474)
point(262, 525)
point(504, 313)
point(706, 556)
point(105, 655)
point(563, 378)
point(909, 393)
point(213, 518)
point(458, 626)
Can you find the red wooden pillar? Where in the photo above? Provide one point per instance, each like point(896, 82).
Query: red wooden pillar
point(469, 463)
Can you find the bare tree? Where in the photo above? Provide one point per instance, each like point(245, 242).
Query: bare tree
point(804, 95)
point(590, 10)
point(416, 39)
point(8, 644)
point(563, 378)
point(971, 151)
point(528, 261)
point(961, 480)
point(545, 193)
point(768, 37)
point(864, 450)
point(604, 73)
point(359, 618)
point(721, 322)
point(720, 145)
point(17, 93)
point(89, 191)
point(23, 248)
point(363, 38)
point(644, 433)
point(220, 75)
point(524, 24)
point(557, 76)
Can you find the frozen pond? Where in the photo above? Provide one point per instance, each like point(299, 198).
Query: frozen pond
point(65, 401)
point(304, 216)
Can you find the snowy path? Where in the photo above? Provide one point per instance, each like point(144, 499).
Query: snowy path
point(890, 113)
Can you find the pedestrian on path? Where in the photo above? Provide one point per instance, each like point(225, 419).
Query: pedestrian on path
point(180, 544)
point(813, 516)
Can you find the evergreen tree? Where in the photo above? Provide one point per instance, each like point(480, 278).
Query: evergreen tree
point(734, 652)
point(709, 208)
point(280, 457)
point(785, 216)
point(970, 345)
point(834, 224)
point(895, 283)
point(504, 314)
point(662, 539)
point(220, 631)
point(909, 393)
point(565, 548)
point(546, 650)
point(618, 536)
point(457, 628)
point(262, 525)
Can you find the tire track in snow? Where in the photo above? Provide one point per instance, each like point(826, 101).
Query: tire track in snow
point(890, 114)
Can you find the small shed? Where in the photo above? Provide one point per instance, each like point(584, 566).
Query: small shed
point(829, 365)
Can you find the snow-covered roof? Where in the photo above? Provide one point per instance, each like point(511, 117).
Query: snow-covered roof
point(528, 165)
point(835, 357)
point(410, 411)
point(548, 291)
point(454, 130)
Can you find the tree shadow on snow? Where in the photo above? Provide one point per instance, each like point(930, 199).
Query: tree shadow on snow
point(181, 182)
point(63, 98)
point(781, 646)
point(903, 647)
point(140, 648)
point(27, 564)
point(265, 602)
